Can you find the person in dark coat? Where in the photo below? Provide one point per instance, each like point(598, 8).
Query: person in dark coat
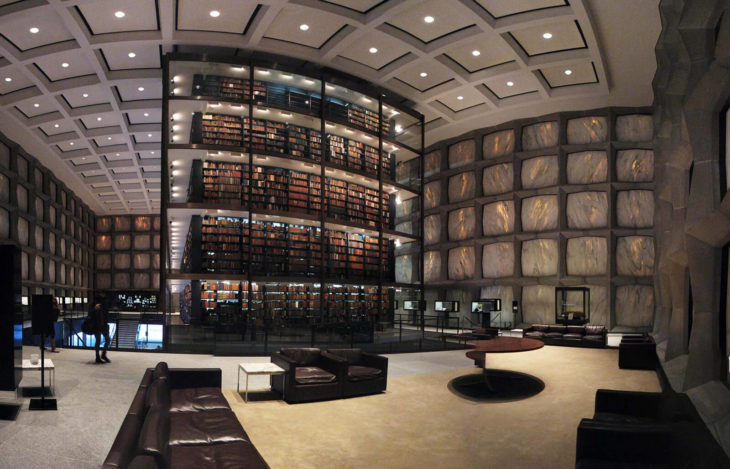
point(52, 334)
point(101, 328)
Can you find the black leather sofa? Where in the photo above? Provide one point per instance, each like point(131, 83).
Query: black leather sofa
point(365, 373)
point(180, 419)
point(576, 336)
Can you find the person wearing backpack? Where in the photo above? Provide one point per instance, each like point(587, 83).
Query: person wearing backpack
point(100, 328)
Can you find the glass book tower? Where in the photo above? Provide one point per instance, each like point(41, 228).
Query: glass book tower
point(291, 206)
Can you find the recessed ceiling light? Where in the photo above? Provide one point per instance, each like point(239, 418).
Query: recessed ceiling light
point(152, 153)
point(459, 98)
point(149, 135)
point(116, 154)
point(8, 79)
point(286, 77)
point(423, 74)
point(34, 30)
point(304, 27)
point(64, 65)
point(85, 95)
point(119, 14)
point(131, 55)
point(108, 138)
point(141, 88)
point(36, 105)
point(428, 19)
point(475, 53)
point(373, 50)
point(146, 114)
point(510, 83)
point(56, 126)
point(569, 72)
point(214, 13)
point(71, 143)
point(98, 119)
point(547, 35)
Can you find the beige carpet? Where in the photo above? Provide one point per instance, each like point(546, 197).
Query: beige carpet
point(419, 423)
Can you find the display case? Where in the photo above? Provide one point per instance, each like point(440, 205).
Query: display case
point(572, 305)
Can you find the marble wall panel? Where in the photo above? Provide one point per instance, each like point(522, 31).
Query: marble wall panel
point(22, 225)
point(587, 167)
point(103, 261)
point(498, 260)
point(4, 188)
point(585, 210)
point(461, 263)
point(24, 265)
point(634, 305)
point(538, 304)
point(504, 293)
point(5, 224)
point(540, 172)
point(431, 266)
point(462, 187)
point(39, 238)
point(122, 242)
point(599, 305)
point(635, 165)
point(122, 223)
point(122, 280)
point(103, 281)
point(38, 268)
point(498, 179)
point(498, 144)
point(141, 280)
point(498, 218)
point(432, 195)
point(103, 242)
point(635, 209)
point(587, 256)
point(408, 171)
point(635, 128)
point(542, 135)
point(22, 198)
point(404, 268)
point(156, 224)
point(405, 227)
point(432, 229)
point(462, 153)
point(432, 163)
point(540, 213)
point(51, 271)
point(539, 257)
point(142, 242)
point(406, 207)
point(461, 224)
point(587, 130)
point(635, 256)
point(122, 261)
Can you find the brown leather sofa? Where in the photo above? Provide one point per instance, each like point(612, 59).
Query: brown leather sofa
point(180, 419)
point(576, 336)
point(366, 373)
point(309, 376)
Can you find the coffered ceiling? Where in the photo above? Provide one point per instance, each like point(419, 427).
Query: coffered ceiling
point(80, 80)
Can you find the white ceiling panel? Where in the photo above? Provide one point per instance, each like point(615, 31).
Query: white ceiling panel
point(147, 137)
point(566, 75)
point(486, 51)
point(96, 121)
point(42, 28)
point(565, 36)
point(37, 106)
point(501, 8)
point(144, 116)
point(232, 17)
point(12, 79)
point(110, 140)
point(66, 64)
point(287, 26)
point(387, 50)
point(436, 73)
point(462, 98)
point(445, 20)
point(86, 96)
point(131, 56)
point(135, 90)
point(58, 127)
point(118, 16)
point(512, 85)
point(72, 145)
point(362, 6)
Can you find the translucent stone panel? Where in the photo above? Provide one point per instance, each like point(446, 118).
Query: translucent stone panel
point(141, 261)
point(405, 227)
point(103, 242)
point(22, 168)
point(634, 128)
point(62, 247)
point(4, 188)
point(39, 238)
point(142, 242)
point(498, 260)
point(155, 280)
point(4, 156)
point(587, 167)
point(498, 179)
point(498, 144)
point(404, 268)
point(38, 269)
point(586, 210)
point(38, 179)
point(587, 256)
point(461, 224)
point(51, 243)
point(635, 209)
point(635, 256)
point(122, 224)
point(432, 229)
point(4, 224)
point(103, 224)
point(599, 305)
point(24, 265)
point(539, 257)
point(122, 261)
point(587, 130)
point(498, 218)
point(156, 224)
point(432, 195)
point(22, 194)
point(141, 280)
point(634, 305)
point(122, 280)
point(540, 213)
point(122, 242)
point(52, 216)
point(635, 165)
point(155, 261)
point(103, 281)
point(51, 271)
point(156, 242)
point(461, 187)
point(406, 207)
point(103, 261)
point(504, 293)
point(61, 275)
point(23, 231)
point(540, 172)
point(432, 266)
point(432, 163)
point(142, 223)
point(461, 263)
point(542, 135)
point(38, 208)
point(538, 304)
point(461, 153)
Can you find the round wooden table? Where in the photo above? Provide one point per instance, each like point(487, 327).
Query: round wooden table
point(498, 385)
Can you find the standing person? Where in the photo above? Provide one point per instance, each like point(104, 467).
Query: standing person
point(52, 334)
point(101, 328)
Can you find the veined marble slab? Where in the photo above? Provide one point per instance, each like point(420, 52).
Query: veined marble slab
point(22, 227)
point(587, 167)
point(539, 258)
point(498, 260)
point(431, 266)
point(404, 269)
point(498, 179)
point(461, 263)
point(635, 209)
point(587, 256)
point(587, 130)
point(504, 293)
point(498, 144)
point(599, 305)
point(462, 187)
point(635, 165)
point(634, 305)
point(540, 172)
point(406, 207)
point(4, 188)
point(5, 224)
point(405, 227)
point(432, 229)
point(635, 128)
point(461, 224)
point(462, 153)
point(635, 256)
point(540, 213)
point(432, 194)
point(542, 135)
point(538, 304)
point(498, 218)
point(103, 280)
point(586, 210)
point(432, 163)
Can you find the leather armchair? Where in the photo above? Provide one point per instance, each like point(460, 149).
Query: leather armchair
point(309, 376)
point(366, 373)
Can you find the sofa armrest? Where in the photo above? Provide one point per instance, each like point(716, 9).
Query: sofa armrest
point(195, 378)
point(647, 444)
point(125, 444)
point(288, 365)
point(629, 403)
point(375, 361)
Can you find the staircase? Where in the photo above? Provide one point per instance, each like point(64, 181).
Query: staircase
point(127, 334)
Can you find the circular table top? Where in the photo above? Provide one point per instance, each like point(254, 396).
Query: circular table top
point(503, 345)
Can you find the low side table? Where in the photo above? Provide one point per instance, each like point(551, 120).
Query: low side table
point(256, 369)
point(49, 367)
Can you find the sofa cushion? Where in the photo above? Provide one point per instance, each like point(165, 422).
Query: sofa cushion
point(558, 328)
point(541, 327)
point(234, 455)
point(554, 335)
point(535, 334)
point(570, 336)
point(154, 436)
point(161, 371)
point(205, 428)
point(313, 375)
point(593, 338)
point(302, 356)
point(361, 373)
point(158, 394)
point(576, 330)
point(352, 355)
point(593, 330)
point(197, 399)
